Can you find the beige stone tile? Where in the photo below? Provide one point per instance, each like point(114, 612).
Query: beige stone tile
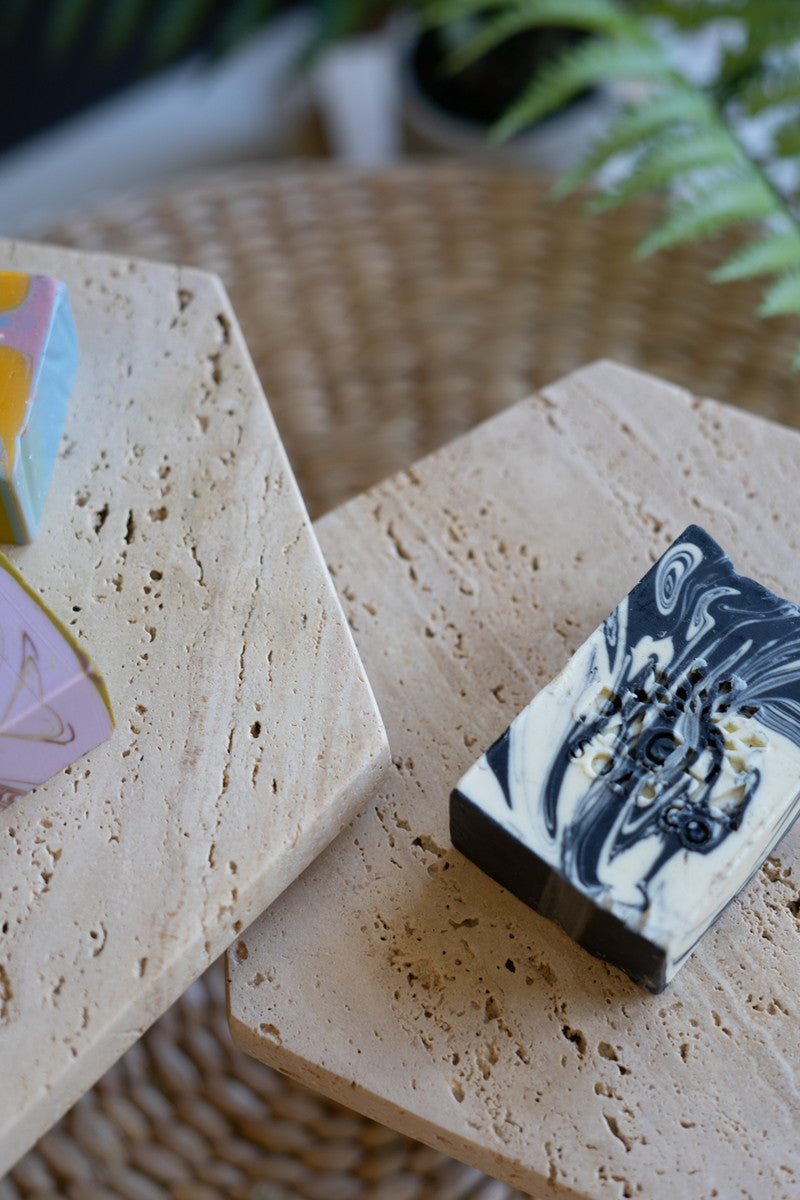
point(175, 544)
point(397, 978)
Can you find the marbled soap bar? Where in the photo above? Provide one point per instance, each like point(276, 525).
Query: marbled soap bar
point(38, 361)
point(640, 790)
point(53, 704)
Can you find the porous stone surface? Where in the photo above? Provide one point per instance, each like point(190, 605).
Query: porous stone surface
point(435, 1001)
point(175, 545)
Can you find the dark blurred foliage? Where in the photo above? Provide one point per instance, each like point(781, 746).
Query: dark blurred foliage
point(59, 56)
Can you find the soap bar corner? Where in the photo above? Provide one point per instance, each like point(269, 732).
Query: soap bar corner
point(54, 704)
point(639, 791)
point(38, 364)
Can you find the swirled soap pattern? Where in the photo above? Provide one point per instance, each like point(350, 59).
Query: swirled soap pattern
point(54, 706)
point(640, 790)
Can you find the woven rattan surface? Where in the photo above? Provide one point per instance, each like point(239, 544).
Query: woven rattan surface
point(385, 313)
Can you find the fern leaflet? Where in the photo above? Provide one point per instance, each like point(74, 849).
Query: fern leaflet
point(667, 160)
point(783, 297)
point(747, 198)
point(676, 108)
point(775, 251)
point(595, 16)
point(580, 68)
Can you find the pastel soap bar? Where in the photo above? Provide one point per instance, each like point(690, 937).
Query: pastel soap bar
point(38, 362)
point(53, 704)
point(640, 790)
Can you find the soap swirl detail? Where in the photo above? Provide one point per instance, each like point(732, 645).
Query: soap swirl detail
point(25, 716)
point(682, 686)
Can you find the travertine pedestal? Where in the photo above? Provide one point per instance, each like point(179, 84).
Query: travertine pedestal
point(175, 543)
point(397, 978)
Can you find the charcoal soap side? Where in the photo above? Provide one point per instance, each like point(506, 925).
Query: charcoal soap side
point(640, 789)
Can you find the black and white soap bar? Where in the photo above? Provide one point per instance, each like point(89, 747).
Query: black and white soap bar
point(640, 790)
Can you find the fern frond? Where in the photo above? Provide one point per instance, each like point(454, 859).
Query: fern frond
point(335, 19)
point(767, 39)
point(684, 138)
point(14, 13)
point(770, 22)
point(64, 25)
point(591, 16)
point(599, 16)
point(756, 14)
point(579, 68)
point(669, 159)
point(175, 27)
point(786, 138)
point(747, 197)
point(772, 88)
point(675, 108)
point(783, 296)
point(770, 254)
point(120, 21)
point(690, 16)
point(240, 20)
point(448, 12)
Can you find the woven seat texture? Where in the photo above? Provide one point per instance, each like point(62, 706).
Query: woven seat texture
point(386, 313)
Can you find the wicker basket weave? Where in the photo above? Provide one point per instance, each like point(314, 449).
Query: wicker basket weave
point(385, 313)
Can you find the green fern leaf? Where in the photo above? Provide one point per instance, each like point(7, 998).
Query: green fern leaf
point(677, 108)
point(757, 58)
point(767, 255)
point(775, 11)
point(175, 28)
point(673, 157)
point(771, 17)
point(121, 19)
point(240, 20)
point(457, 19)
point(592, 16)
point(783, 296)
point(770, 22)
point(489, 34)
point(14, 13)
point(746, 197)
point(451, 12)
point(64, 25)
point(690, 16)
point(583, 67)
point(771, 88)
point(786, 139)
point(336, 19)
point(600, 16)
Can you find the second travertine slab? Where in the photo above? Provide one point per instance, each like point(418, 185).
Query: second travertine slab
point(434, 1000)
point(176, 546)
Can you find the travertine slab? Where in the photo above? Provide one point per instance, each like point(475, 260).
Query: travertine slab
point(176, 545)
point(438, 1003)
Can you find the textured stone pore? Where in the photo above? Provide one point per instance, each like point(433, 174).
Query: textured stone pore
point(176, 545)
point(437, 1002)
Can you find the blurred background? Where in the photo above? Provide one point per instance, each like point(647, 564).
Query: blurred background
point(387, 311)
point(103, 96)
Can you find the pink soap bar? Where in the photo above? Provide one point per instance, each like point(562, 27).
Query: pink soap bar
point(54, 705)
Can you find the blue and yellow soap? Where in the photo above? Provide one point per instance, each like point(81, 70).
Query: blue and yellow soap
point(38, 362)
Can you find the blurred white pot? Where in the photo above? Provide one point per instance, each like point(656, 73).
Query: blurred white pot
point(551, 145)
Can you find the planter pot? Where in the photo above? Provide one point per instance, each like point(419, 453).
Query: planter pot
point(453, 114)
